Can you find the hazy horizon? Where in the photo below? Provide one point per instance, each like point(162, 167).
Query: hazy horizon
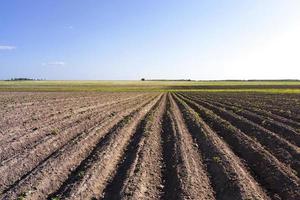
point(118, 40)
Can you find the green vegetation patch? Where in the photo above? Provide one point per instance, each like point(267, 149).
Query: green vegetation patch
point(151, 86)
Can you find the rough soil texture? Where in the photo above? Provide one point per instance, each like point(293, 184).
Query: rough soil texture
point(147, 145)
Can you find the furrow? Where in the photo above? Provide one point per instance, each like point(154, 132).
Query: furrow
point(275, 177)
point(257, 104)
point(143, 178)
point(274, 126)
point(287, 128)
point(64, 135)
point(59, 119)
point(38, 110)
point(97, 168)
point(230, 178)
point(185, 174)
point(49, 175)
point(264, 113)
point(29, 141)
point(115, 184)
point(31, 158)
point(279, 147)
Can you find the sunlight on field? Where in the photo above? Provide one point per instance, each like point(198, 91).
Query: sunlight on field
point(119, 86)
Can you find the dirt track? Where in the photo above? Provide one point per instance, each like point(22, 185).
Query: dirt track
point(149, 146)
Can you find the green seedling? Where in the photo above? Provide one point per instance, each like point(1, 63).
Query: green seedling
point(216, 159)
point(22, 196)
point(80, 174)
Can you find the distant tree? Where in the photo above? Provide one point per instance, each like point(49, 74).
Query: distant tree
point(22, 79)
point(142, 79)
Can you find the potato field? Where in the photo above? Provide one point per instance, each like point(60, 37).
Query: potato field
point(149, 145)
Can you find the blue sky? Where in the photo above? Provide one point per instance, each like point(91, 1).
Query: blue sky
point(117, 39)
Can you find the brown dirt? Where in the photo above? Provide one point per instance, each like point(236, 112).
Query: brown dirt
point(149, 146)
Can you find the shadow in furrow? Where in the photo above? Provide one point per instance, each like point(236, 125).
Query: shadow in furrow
point(113, 189)
point(28, 173)
point(265, 168)
point(223, 184)
point(79, 172)
point(53, 154)
point(172, 189)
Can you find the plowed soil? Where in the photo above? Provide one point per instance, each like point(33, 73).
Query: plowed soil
point(149, 145)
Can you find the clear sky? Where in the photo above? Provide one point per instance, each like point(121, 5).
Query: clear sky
point(131, 39)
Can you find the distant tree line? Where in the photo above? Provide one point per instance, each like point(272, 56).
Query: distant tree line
point(25, 79)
